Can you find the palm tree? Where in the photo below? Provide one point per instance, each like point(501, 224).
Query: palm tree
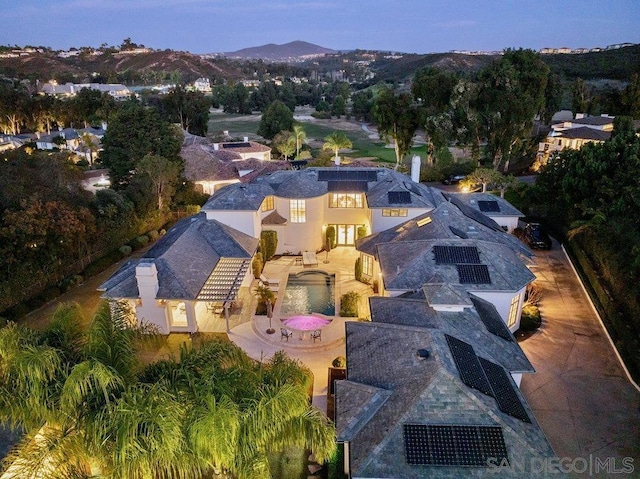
point(300, 136)
point(267, 297)
point(336, 141)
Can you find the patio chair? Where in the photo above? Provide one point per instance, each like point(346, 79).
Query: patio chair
point(316, 334)
point(285, 333)
point(269, 282)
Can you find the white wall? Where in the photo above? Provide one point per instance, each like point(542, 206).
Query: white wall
point(502, 302)
point(148, 309)
point(246, 221)
point(303, 236)
point(511, 222)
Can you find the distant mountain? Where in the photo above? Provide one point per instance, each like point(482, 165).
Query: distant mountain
point(292, 51)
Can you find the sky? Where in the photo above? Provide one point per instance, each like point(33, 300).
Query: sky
point(410, 26)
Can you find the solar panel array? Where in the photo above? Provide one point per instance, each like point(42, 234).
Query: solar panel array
point(487, 206)
point(347, 175)
point(456, 254)
point(231, 146)
point(468, 365)
point(473, 274)
point(224, 281)
point(487, 377)
point(453, 445)
point(347, 186)
point(399, 197)
point(492, 320)
point(503, 391)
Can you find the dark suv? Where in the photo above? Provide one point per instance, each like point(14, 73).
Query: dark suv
point(536, 237)
point(453, 179)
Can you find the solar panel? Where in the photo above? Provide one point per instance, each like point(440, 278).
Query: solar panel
point(456, 254)
point(473, 274)
point(491, 319)
point(468, 366)
point(347, 186)
point(399, 197)
point(503, 390)
point(347, 175)
point(489, 206)
point(453, 445)
point(231, 146)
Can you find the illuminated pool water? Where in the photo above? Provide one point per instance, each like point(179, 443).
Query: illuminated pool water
point(309, 292)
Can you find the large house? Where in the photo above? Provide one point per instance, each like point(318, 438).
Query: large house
point(574, 133)
point(118, 91)
point(432, 380)
point(381, 213)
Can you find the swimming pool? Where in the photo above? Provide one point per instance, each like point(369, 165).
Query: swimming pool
point(309, 292)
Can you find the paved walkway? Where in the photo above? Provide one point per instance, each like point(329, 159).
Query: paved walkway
point(579, 394)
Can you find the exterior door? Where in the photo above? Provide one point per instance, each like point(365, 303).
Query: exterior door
point(346, 235)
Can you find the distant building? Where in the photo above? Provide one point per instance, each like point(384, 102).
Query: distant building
point(575, 133)
point(202, 85)
point(118, 91)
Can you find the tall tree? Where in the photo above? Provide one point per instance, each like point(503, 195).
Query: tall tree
point(396, 118)
point(335, 142)
point(512, 93)
point(300, 137)
point(276, 118)
point(133, 133)
point(285, 143)
point(164, 175)
point(188, 108)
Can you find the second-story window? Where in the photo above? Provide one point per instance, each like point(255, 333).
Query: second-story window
point(395, 212)
point(268, 203)
point(345, 200)
point(297, 211)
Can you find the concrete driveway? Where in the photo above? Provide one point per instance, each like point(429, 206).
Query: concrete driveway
point(580, 393)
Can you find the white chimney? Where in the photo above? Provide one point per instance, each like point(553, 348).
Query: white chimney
point(415, 169)
point(246, 139)
point(225, 132)
point(147, 279)
point(216, 146)
point(104, 125)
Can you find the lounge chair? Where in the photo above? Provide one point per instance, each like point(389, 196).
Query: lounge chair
point(285, 333)
point(269, 282)
point(309, 258)
point(316, 334)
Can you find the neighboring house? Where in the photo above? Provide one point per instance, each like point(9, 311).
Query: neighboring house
point(118, 91)
point(431, 394)
point(196, 265)
point(202, 85)
point(496, 208)
point(575, 133)
point(212, 166)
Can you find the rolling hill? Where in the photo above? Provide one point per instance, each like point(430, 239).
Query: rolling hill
point(292, 51)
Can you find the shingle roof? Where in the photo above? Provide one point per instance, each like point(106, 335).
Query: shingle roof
point(473, 200)
point(585, 133)
point(239, 197)
point(593, 120)
point(382, 357)
point(201, 165)
point(390, 181)
point(184, 259)
point(466, 325)
point(274, 218)
point(245, 147)
point(447, 221)
point(408, 265)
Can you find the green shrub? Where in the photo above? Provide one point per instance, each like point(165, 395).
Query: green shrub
point(261, 308)
point(162, 231)
point(321, 115)
point(358, 269)
point(192, 209)
point(126, 250)
point(256, 265)
point(530, 320)
point(361, 232)
point(153, 235)
point(339, 362)
point(268, 243)
point(139, 242)
point(99, 265)
point(330, 236)
point(69, 282)
point(349, 304)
